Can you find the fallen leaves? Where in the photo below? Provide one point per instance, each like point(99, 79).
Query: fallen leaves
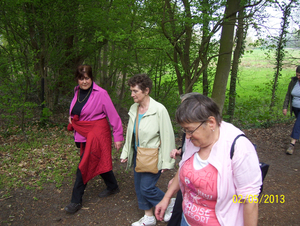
point(47, 156)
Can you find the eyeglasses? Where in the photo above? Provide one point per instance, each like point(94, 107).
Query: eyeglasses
point(191, 132)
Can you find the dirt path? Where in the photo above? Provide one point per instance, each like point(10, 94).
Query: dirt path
point(45, 207)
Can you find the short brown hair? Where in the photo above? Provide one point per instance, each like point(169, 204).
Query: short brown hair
point(142, 81)
point(82, 70)
point(197, 108)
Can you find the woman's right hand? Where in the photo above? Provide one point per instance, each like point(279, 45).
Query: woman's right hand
point(284, 111)
point(70, 120)
point(160, 208)
point(170, 182)
point(124, 160)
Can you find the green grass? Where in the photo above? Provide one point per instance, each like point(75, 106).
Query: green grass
point(254, 90)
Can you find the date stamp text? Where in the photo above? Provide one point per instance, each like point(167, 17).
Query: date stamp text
point(263, 198)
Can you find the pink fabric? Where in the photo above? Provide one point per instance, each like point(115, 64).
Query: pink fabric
point(97, 157)
point(239, 176)
point(200, 196)
point(98, 106)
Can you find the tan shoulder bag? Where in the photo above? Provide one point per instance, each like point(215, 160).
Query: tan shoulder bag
point(146, 158)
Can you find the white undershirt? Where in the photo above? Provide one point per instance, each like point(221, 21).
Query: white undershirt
point(198, 162)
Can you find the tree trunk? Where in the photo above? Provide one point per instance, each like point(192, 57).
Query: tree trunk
point(225, 53)
point(281, 43)
point(205, 90)
point(204, 52)
point(238, 52)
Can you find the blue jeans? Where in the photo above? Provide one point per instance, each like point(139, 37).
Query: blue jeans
point(183, 221)
point(296, 129)
point(147, 193)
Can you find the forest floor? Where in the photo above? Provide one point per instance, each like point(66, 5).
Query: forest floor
point(279, 205)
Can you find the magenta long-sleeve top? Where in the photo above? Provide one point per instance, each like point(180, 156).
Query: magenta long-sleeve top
point(98, 106)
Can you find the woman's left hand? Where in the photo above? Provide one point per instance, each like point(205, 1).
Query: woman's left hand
point(175, 152)
point(118, 145)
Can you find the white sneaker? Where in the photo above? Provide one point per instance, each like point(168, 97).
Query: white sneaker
point(169, 210)
point(145, 221)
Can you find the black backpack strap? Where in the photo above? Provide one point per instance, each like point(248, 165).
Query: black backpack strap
point(233, 143)
point(263, 166)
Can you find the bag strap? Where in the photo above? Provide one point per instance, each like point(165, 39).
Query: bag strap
point(233, 143)
point(136, 127)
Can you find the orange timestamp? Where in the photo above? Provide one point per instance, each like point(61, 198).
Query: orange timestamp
point(263, 198)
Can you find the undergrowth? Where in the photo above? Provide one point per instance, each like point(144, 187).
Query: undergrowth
point(41, 155)
point(44, 155)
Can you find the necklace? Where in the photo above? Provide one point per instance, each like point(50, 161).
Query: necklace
point(84, 97)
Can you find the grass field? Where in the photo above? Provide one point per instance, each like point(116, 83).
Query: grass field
point(254, 90)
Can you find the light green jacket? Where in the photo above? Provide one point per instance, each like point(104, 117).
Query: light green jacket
point(155, 126)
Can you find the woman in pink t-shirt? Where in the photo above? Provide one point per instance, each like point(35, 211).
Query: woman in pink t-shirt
point(208, 178)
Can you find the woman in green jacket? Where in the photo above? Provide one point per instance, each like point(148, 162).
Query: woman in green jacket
point(154, 130)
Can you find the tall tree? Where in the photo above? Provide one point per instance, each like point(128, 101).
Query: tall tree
point(46, 40)
point(191, 27)
point(238, 52)
point(180, 25)
point(225, 53)
point(281, 44)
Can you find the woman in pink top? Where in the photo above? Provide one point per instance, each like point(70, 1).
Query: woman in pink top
point(208, 178)
point(89, 110)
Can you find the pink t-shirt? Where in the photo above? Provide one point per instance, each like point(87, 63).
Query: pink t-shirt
point(200, 193)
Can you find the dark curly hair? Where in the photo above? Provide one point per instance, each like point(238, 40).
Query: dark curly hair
point(142, 81)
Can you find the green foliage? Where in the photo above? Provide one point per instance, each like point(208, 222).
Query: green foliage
point(13, 105)
point(254, 91)
point(45, 116)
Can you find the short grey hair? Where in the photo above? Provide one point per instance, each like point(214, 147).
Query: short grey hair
point(197, 108)
point(186, 95)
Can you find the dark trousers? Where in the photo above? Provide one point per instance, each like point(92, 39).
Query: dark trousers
point(177, 211)
point(79, 187)
point(296, 129)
